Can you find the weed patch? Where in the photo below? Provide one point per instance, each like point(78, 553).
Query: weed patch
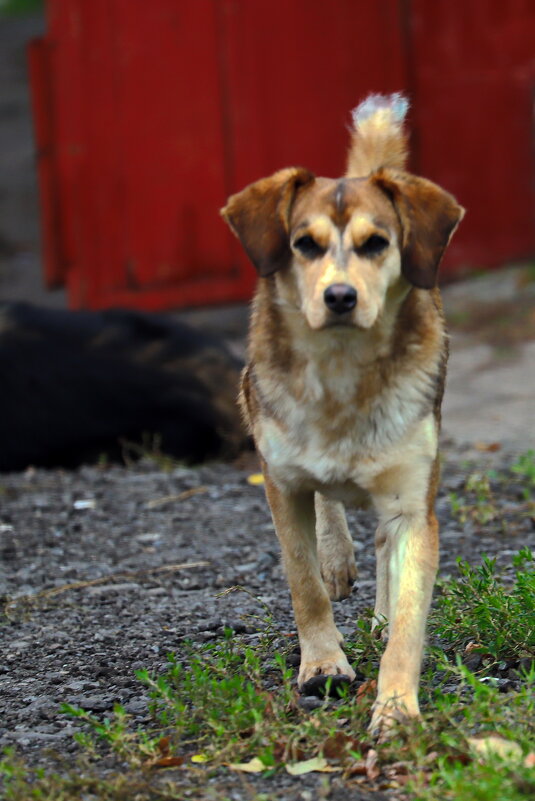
point(226, 709)
point(477, 502)
point(480, 611)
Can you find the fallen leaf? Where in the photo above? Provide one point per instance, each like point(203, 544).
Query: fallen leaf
point(167, 762)
point(163, 745)
point(368, 687)
point(431, 756)
point(494, 745)
point(529, 761)
point(255, 765)
point(471, 646)
point(458, 757)
point(489, 447)
point(255, 479)
point(314, 765)
point(200, 758)
point(372, 768)
point(397, 773)
point(357, 768)
point(339, 744)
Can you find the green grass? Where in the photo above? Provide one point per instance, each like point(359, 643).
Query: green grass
point(524, 468)
point(477, 503)
point(20, 6)
point(225, 703)
point(479, 608)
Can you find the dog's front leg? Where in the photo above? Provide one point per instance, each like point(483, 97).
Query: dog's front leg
point(335, 548)
point(321, 654)
point(412, 559)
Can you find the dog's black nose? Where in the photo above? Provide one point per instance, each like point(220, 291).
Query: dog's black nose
point(340, 298)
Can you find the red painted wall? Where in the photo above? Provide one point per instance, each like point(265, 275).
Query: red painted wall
point(148, 115)
point(472, 80)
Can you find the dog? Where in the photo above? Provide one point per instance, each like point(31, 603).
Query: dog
point(80, 385)
point(343, 387)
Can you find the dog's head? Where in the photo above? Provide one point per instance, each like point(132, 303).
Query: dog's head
point(336, 247)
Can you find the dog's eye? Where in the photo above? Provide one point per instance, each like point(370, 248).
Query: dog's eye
point(372, 246)
point(308, 247)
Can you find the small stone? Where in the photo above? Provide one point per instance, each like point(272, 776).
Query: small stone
point(473, 661)
point(309, 702)
point(526, 664)
point(136, 707)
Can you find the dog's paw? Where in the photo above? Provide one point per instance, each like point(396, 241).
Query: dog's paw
point(314, 674)
point(323, 685)
point(386, 714)
point(338, 570)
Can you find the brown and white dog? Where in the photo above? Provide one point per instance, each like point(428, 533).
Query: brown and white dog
point(344, 383)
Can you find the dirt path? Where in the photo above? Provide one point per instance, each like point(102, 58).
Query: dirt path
point(152, 550)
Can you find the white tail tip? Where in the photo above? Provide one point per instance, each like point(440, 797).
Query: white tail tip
point(397, 104)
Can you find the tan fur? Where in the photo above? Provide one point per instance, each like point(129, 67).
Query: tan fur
point(345, 406)
point(377, 142)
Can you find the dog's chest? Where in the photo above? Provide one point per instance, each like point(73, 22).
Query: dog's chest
point(342, 426)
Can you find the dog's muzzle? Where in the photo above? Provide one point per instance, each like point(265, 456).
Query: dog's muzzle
point(340, 298)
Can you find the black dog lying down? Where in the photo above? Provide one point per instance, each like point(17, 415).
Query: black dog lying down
point(76, 385)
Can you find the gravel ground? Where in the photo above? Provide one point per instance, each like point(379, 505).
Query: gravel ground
point(125, 534)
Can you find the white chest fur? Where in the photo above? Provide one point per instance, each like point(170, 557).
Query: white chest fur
point(306, 446)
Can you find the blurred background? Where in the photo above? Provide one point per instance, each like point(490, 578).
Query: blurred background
point(140, 118)
point(125, 124)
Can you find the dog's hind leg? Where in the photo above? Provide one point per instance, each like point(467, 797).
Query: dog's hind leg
point(321, 654)
point(382, 553)
point(335, 548)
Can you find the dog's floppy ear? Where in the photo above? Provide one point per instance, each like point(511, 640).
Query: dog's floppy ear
point(259, 215)
point(428, 217)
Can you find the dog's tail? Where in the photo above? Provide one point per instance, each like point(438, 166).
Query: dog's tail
point(377, 138)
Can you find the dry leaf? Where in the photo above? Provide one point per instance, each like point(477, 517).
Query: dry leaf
point(368, 687)
point(357, 768)
point(167, 762)
point(402, 779)
point(471, 646)
point(431, 756)
point(339, 744)
point(494, 745)
point(372, 768)
point(255, 765)
point(316, 764)
point(255, 479)
point(397, 773)
point(489, 447)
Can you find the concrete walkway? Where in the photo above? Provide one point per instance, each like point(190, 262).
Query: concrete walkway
point(490, 392)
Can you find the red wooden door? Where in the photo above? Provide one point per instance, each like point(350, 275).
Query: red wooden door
point(472, 69)
point(148, 115)
point(158, 111)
